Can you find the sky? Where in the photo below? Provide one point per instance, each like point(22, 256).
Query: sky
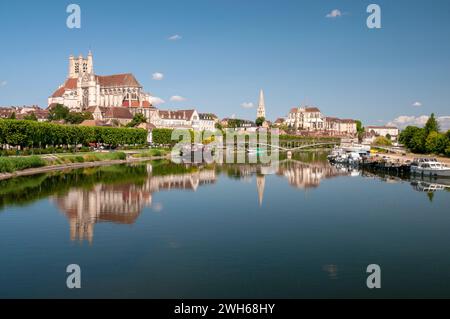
point(215, 55)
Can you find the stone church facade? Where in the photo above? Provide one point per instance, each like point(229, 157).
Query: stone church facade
point(83, 89)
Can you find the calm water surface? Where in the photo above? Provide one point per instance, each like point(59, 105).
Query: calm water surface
point(158, 230)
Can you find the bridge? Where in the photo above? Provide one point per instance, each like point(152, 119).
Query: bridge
point(294, 148)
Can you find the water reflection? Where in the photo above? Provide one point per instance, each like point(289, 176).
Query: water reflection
point(118, 194)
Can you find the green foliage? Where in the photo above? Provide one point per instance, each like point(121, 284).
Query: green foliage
point(162, 136)
point(12, 164)
point(30, 117)
point(77, 117)
point(359, 126)
point(35, 134)
point(427, 139)
point(12, 116)
point(382, 141)
point(260, 121)
point(138, 118)
point(432, 125)
point(436, 143)
point(58, 112)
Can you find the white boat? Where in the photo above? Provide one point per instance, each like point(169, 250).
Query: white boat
point(429, 167)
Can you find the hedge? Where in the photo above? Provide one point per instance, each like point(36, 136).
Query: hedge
point(34, 134)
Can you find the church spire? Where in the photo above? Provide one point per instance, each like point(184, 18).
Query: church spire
point(261, 106)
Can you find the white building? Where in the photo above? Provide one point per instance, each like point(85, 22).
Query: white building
point(83, 88)
point(188, 119)
point(207, 122)
point(383, 131)
point(306, 118)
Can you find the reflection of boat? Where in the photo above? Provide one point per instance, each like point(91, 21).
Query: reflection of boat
point(426, 187)
point(429, 167)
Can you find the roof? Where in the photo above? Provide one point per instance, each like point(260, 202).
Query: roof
point(312, 109)
point(118, 80)
point(176, 115)
point(135, 103)
point(279, 120)
point(118, 113)
point(207, 116)
point(382, 127)
point(92, 123)
point(70, 84)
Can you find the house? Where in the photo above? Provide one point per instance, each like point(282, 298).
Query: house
point(111, 115)
point(392, 131)
point(207, 122)
point(336, 126)
point(306, 118)
point(188, 119)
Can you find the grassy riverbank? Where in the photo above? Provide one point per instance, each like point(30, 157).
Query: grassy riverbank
point(12, 164)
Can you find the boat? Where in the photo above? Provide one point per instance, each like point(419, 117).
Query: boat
point(429, 167)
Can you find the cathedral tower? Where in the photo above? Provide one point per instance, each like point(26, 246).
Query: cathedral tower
point(261, 112)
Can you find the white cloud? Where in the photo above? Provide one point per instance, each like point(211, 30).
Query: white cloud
point(157, 76)
point(156, 100)
point(177, 98)
point(3, 83)
point(175, 37)
point(247, 105)
point(404, 120)
point(417, 104)
point(334, 13)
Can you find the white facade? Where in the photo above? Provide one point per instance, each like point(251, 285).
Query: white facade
point(384, 131)
point(83, 88)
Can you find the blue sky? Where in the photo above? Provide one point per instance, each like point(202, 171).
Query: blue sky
point(229, 49)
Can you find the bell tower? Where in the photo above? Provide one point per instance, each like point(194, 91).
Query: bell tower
point(80, 66)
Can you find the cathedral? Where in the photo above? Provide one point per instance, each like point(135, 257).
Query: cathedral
point(84, 90)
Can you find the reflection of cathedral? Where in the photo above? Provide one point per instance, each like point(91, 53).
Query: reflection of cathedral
point(303, 175)
point(123, 203)
point(120, 204)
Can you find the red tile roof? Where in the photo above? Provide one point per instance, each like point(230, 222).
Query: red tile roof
point(312, 109)
point(70, 84)
point(118, 80)
point(118, 113)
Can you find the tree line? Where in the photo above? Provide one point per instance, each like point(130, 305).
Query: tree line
point(426, 140)
point(33, 134)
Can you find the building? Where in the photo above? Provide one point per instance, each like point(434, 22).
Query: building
point(392, 131)
point(21, 112)
point(84, 89)
point(336, 126)
point(306, 118)
point(181, 119)
point(261, 112)
point(207, 122)
point(111, 115)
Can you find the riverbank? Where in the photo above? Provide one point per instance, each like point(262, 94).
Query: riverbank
point(411, 156)
point(61, 167)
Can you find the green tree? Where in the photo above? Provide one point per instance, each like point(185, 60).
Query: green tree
point(12, 116)
point(30, 117)
point(382, 141)
point(138, 118)
point(436, 143)
point(432, 125)
point(417, 143)
point(58, 112)
point(260, 121)
point(359, 126)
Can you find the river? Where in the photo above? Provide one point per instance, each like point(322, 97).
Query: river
point(159, 230)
